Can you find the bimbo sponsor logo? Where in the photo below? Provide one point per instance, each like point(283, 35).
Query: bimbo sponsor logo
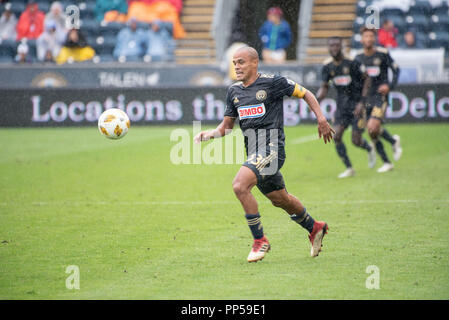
point(254, 111)
point(342, 80)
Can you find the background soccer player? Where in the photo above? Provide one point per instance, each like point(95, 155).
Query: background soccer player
point(377, 61)
point(352, 88)
point(257, 100)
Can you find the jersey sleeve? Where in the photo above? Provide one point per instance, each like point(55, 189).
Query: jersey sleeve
point(394, 68)
point(230, 110)
point(325, 74)
point(286, 87)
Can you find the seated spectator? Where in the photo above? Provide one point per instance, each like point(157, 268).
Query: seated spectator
point(160, 42)
point(8, 22)
point(75, 48)
point(131, 42)
point(49, 43)
point(57, 15)
point(31, 22)
point(22, 53)
point(111, 10)
point(275, 35)
point(387, 35)
point(409, 41)
point(177, 4)
point(149, 11)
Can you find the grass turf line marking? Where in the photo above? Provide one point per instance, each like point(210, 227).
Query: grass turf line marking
point(304, 139)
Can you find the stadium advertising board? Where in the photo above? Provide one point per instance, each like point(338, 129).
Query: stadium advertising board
point(75, 107)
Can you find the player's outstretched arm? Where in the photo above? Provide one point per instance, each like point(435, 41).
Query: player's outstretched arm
point(221, 130)
point(322, 91)
point(324, 128)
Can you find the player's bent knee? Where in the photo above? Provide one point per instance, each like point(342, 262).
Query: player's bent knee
point(239, 188)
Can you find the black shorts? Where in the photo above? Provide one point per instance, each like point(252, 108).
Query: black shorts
point(266, 169)
point(376, 105)
point(345, 119)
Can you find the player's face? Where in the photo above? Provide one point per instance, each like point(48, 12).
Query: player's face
point(368, 39)
point(334, 47)
point(245, 67)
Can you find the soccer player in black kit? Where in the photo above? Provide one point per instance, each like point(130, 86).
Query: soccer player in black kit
point(352, 87)
point(376, 61)
point(257, 100)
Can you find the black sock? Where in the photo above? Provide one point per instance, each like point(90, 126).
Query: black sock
point(255, 225)
point(380, 150)
point(304, 219)
point(365, 145)
point(387, 136)
point(341, 150)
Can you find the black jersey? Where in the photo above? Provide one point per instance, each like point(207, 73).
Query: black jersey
point(259, 108)
point(377, 66)
point(347, 77)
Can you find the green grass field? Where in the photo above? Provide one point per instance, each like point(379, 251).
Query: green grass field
point(140, 227)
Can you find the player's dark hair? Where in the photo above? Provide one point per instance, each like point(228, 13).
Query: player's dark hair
point(366, 29)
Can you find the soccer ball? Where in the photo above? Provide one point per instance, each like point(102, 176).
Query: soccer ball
point(113, 123)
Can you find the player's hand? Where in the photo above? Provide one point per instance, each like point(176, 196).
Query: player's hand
point(325, 130)
point(203, 136)
point(383, 89)
point(358, 111)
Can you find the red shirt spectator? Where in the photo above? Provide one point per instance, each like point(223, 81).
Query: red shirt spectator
point(31, 22)
point(386, 35)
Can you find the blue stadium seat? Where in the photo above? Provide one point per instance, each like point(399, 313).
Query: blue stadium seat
point(90, 27)
point(44, 6)
point(106, 58)
point(441, 10)
point(422, 38)
point(391, 12)
point(420, 22)
point(6, 59)
point(355, 42)
point(8, 48)
point(104, 49)
point(112, 28)
point(421, 7)
point(439, 23)
point(17, 8)
point(439, 39)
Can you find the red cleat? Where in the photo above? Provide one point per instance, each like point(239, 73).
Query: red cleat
point(316, 237)
point(260, 248)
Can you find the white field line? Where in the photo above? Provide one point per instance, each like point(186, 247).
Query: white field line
point(305, 139)
point(211, 202)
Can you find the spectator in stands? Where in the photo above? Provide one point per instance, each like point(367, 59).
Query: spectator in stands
point(31, 22)
point(131, 42)
point(160, 41)
point(22, 53)
point(8, 22)
point(275, 35)
point(387, 35)
point(49, 42)
point(57, 15)
point(409, 41)
point(75, 48)
point(152, 10)
point(111, 10)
